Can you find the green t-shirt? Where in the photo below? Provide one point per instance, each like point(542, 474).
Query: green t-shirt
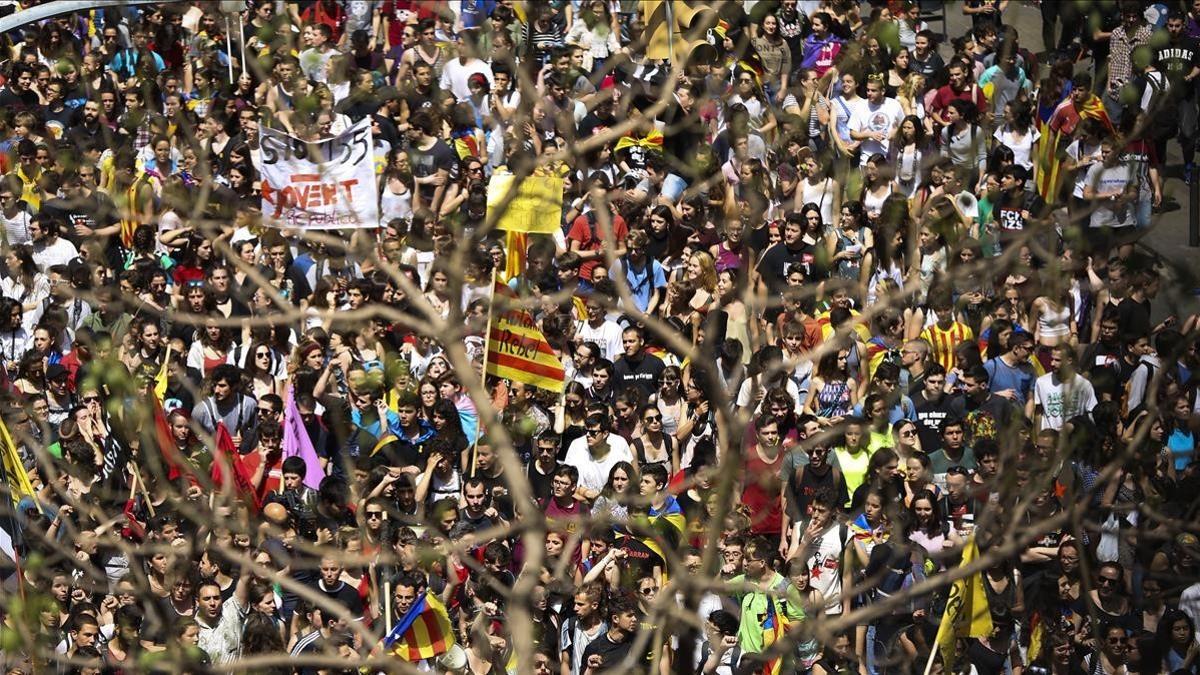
point(754, 609)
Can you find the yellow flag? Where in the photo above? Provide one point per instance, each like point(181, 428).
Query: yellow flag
point(160, 380)
point(18, 479)
point(967, 613)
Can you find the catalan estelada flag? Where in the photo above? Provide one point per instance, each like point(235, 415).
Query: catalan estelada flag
point(423, 632)
point(1056, 134)
point(967, 613)
point(774, 627)
point(516, 348)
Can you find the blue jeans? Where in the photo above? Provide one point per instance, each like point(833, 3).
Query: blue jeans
point(1145, 206)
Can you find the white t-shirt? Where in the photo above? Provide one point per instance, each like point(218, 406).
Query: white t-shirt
point(593, 473)
point(455, 75)
point(60, 252)
point(607, 335)
point(1110, 179)
point(825, 568)
point(745, 394)
point(1061, 401)
point(1022, 147)
point(870, 117)
point(1080, 154)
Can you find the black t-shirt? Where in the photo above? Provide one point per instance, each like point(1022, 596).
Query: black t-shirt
point(932, 68)
point(14, 101)
point(930, 415)
point(94, 211)
point(684, 136)
point(417, 100)
point(775, 263)
point(984, 660)
point(539, 483)
point(808, 484)
point(1177, 60)
point(345, 595)
point(1133, 317)
point(593, 123)
point(643, 373)
point(613, 653)
point(428, 162)
point(1008, 213)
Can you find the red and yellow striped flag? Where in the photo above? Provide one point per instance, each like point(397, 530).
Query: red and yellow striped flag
point(517, 350)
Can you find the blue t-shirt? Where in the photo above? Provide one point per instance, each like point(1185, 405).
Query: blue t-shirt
point(1002, 376)
point(643, 282)
point(1181, 444)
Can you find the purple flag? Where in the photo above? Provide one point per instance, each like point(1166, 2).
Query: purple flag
point(296, 443)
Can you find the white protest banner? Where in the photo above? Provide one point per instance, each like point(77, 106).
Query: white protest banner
point(319, 185)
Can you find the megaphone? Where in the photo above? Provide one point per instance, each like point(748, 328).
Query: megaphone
point(677, 31)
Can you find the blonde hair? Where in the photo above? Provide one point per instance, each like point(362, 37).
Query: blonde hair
point(708, 270)
point(908, 89)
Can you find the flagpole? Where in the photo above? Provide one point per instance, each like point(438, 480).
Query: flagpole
point(929, 662)
point(487, 335)
point(387, 587)
point(141, 484)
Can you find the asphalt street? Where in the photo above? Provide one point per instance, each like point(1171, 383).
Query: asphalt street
point(1168, 236)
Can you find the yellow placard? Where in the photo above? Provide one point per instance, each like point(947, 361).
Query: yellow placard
point(536, 206)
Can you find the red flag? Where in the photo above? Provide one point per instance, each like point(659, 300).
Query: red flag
point(227, 453)
point(164, 438)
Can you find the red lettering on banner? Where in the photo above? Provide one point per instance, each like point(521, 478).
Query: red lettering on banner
point(307, 191)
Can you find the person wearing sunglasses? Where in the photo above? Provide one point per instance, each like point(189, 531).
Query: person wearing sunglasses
point(596, 453)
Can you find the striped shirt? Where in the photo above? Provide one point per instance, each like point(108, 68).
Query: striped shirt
point(943, 341)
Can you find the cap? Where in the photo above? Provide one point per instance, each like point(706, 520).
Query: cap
point(803, 155)
point(478, 80)
point(55, 371)
point(1187, 540)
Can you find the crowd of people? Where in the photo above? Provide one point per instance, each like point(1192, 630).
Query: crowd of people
point(839, 301)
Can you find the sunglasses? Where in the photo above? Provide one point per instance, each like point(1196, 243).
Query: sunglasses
point(374, 515)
